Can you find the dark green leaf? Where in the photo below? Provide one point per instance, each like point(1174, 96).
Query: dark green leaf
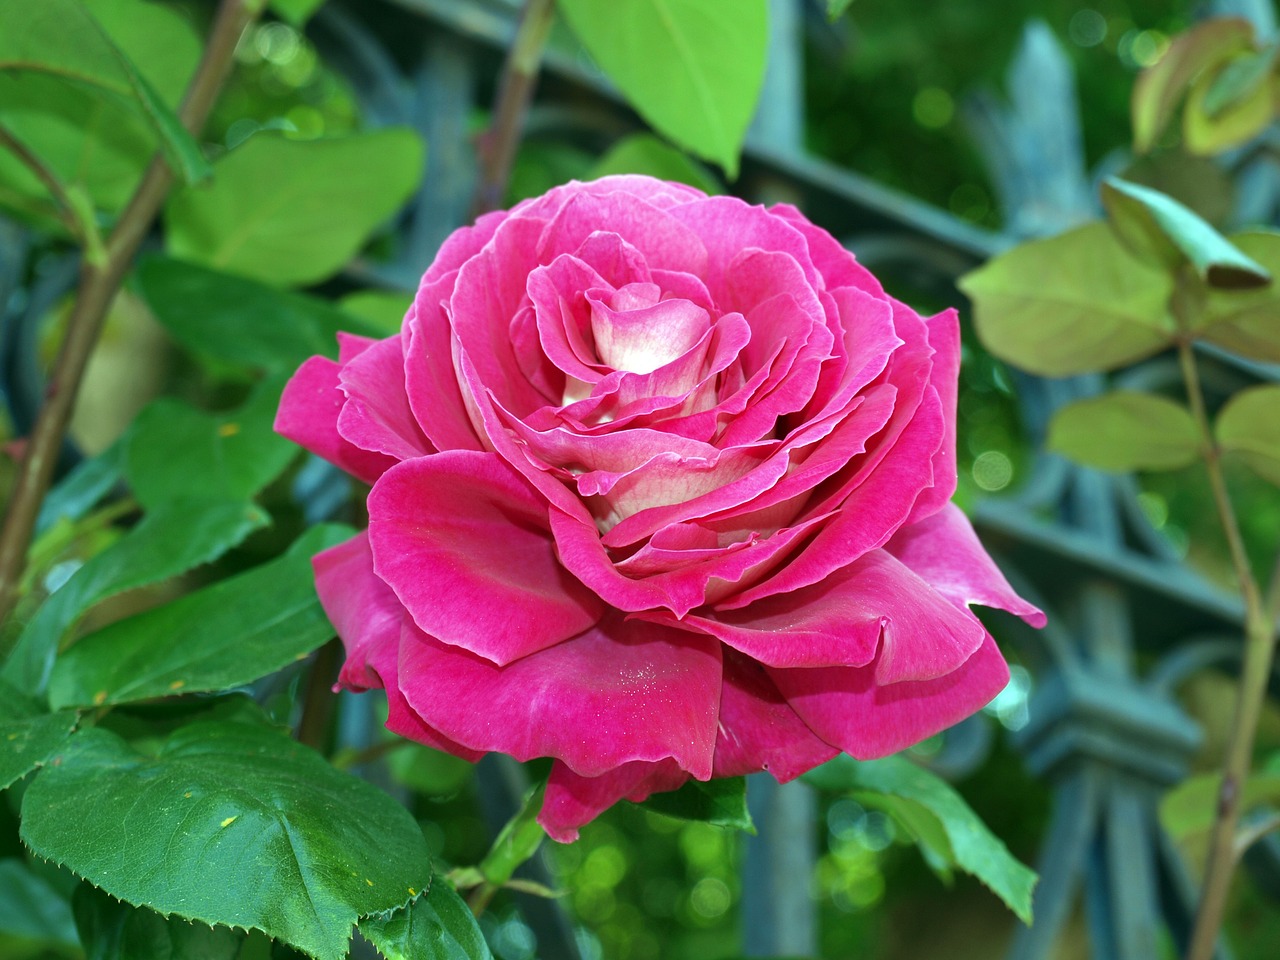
point(1074, 303)
point(1164, 232)
point(692, 68)
point(1190, 809)
point(1160, 88)
point(292, 212)
point(1126, 430)
point(1249, 427)
point(232, 633)
point(173, 538)
point(722, 802)
point(112, 930)
point(1247, 322)
point(296, 12)
point(228, 823)
point(241, 321)
point(437, 926)
point(174, 450)
point(60, 39)
point(79, 492)
point(645, 153)
point(28, 734)
point(977, 851)
point(31, 909)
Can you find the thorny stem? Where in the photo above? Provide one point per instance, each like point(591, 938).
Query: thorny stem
point(497, 146)
point(1255, 672)
point(98, 285)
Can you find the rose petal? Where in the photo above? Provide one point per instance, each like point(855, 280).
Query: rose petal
point(572, 801)
point(847, 708)
point(464, 544)
point(616, 693)
point(308, 415)
point(430, 380)
point(946, 553)
point(944, 337)
point(376, 415)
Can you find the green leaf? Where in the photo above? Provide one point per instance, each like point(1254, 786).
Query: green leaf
point(722, 802)
point(296, 12)
point(230, 823)
point(1164, 232)
point(1247, 322)
point(976, 850)
point(436, 926)
point(835, 8)
point(383, 311)
point(28, 735)
point(173, 538)
point(241, 321)
point(233, 632)
point(692, 68)
point(1160, 88)
point(174, 450)
point(291, 212)
point(920, 824)
point(1230, 105)
point(1126, 430)
point(1190, 809)
point(112, 930)
point(60, 39)
point(1249, 427)
point(518, 840)
point(31, 909)
point(645, 153)
point(80, 490)
point(1074, 303)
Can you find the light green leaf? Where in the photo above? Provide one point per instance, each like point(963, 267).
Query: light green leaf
point(1164, 232)
point(1160, 88)
point(32, 910)
point(837, 7)
point(1249, 427)
point(1230, 105)
point(174, 450)
point(296, 12)
point(518, 840)
point(173, 538)
point(241, 321)
point(233, 632)
point(28, 734)
point(976, 850)
point(291, 212)
point(61, 39)
point(1247, 322)
point(80, 490)
point(921, 825)
point(382, 310)
point(692, 68)
point(1126, 430)
point(722, 802)
point(1190, 809)
point(1074, 303)
point(645, 153)
point(230, 823)
point(112, 930)
point(437, 926)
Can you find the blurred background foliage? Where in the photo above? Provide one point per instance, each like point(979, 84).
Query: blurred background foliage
point(885, 89)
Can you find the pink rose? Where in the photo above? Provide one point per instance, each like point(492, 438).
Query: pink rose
point(660, 490)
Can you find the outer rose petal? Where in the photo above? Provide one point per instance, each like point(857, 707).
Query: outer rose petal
point(945, 551)
point(376, 415)
point(464, 543)
point(572, 801)
point(944, 337)
point(618, 692)
point(846, 707)
point(368, 618)
point(308, 415)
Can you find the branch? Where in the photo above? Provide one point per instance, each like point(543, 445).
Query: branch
point(98, 286)
point(69, 212)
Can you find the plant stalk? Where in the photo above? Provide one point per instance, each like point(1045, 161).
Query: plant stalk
point(497, 146)
point(97, 288)
point(1256, 670)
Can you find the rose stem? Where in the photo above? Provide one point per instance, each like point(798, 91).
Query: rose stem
point(1259, 649)
point(318, 698)
point(497, 145)
point(98, 284)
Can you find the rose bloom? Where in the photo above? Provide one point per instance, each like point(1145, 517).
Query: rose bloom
point(660, 490)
